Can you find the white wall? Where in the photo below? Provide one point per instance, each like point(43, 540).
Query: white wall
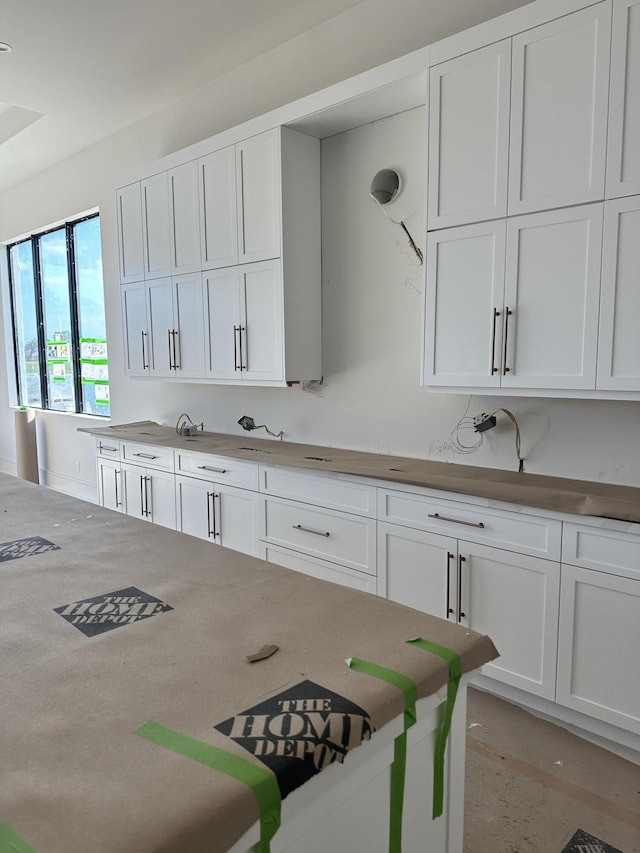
point(371, 399)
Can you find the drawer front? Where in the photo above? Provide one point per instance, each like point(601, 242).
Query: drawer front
point(318, 568)
point(323, 533)
point(513, 531)
point(222, 469)
point(329, 491)
point(149, 455)
point(107, 448)
point(605, 550)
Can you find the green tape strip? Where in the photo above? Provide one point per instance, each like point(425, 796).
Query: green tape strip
point(10, 841)
point(262, 781)
point(399, 766)
point(455, 672)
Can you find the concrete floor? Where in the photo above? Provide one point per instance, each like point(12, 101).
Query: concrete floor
point(530, 785)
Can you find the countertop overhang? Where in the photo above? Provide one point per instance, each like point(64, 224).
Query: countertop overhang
point(559, 494)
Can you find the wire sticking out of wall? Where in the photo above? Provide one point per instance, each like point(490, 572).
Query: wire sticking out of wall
point(479, 425)
point(185, 426)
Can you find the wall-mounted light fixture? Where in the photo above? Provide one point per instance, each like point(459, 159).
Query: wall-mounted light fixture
point(385, 187)
point(249, 424)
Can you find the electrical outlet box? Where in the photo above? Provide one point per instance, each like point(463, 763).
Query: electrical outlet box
point(483, 422)
point(190, 429)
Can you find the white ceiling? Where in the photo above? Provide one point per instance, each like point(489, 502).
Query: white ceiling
point(90, 67)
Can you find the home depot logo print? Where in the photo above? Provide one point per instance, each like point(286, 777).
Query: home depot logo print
point(300, 731)
point(112, 610)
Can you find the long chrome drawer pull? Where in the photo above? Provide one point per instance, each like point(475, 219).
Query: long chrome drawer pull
point(144, 455)
point(110, 449)
point(310, 530)
point(455, 520)
point(215, 470)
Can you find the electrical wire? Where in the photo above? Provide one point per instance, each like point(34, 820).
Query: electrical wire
point(467, 423)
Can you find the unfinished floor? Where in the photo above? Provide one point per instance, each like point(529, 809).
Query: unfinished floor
point(530, 785)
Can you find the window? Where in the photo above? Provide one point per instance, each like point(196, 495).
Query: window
point(57, 301)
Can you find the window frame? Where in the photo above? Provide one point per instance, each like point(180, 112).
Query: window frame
point(34, 239)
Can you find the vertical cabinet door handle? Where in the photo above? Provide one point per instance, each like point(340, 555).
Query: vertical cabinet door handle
point(243, 349)
point(450, 610)
point(147, 511)
point(174, 335)
point(235, 348)
point(170, 355)
point(115, 477)
point(494, 369)
point(210, 531)
point(142, 479)
point(461, 615)
point(216, 532)
point(507, 313)
point(144, 355)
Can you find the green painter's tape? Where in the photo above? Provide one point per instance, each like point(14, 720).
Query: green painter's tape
point(262, 781)
point(455, 672)
point(399, 766)
point(10, 841)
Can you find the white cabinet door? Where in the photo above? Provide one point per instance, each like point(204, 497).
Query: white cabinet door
point(188, 327)
point(619, 341)
point(463, 305)
point(222, 311)
point(184, 218)
point(417, 569)
point(130, 245)
point(262, 322)
point(552, 287)
point(623, 150)
point(160, 312)
point(217, 512)
point(156, 228)
point(559, 84)
point(110, 491)
point(259, 197)
point(469, 137)
point(135, 491)
point(160, 498)
point(135, 329)
point(514, 599)
point(598, 646)
point(218, 209)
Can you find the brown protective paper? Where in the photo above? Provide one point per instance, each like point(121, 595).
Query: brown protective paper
point(73, 776)
point(26, 445)
point(579, 497)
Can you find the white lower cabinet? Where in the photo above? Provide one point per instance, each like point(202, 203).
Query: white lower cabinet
point(598, 646)
point(218, 512)
point(149, 494)
point(110, 493)
point(511, 597)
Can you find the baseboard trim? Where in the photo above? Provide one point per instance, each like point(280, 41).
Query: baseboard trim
point(8, 465)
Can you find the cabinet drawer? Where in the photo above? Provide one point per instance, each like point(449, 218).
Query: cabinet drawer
point(222, 469)
point(513, 531)
point(149, 455)
point(325, 490)
point(318, 568)
point(612, 551)
point(107, 449)
point(333, 536)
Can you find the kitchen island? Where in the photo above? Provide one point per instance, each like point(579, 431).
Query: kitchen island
point(127, 695)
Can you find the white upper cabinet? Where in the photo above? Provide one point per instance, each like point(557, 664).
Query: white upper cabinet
point(259, 197)
point(623, 152)
point(619, 348)
point(130, 245)
point(469, 136)
point(218, 209)
point(155, 226)
point(552, 289)
point(184, 218)
point(176, 327)
point(135, 328)
point(559, 85)
point(464, 297)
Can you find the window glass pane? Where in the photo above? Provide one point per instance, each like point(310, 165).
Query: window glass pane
point(57, 320)
point(26, 324)
point(91, 322)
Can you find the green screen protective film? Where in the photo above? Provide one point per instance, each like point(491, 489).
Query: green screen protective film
point(10, 841)
point(398, 768)
point(261, 781)
point(455, 673)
